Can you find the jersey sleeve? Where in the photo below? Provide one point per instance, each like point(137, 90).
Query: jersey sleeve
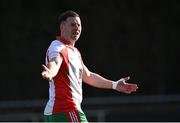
point(54, 49)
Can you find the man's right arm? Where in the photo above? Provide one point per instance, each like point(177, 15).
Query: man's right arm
point(52, 68)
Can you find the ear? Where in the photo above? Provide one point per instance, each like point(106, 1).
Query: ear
point(61, 25)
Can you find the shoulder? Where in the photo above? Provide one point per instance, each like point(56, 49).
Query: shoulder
point(78, 53)
point(76, 50)
point(56, 45)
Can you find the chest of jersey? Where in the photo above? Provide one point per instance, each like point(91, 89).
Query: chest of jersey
point(75, 65)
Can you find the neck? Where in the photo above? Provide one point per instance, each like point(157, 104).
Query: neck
point(65, 41)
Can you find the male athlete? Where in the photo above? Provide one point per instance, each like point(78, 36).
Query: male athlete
point(65, 72)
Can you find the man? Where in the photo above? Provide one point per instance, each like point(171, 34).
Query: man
point(65, 72)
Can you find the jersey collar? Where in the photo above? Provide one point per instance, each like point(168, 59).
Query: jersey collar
point(64, 41)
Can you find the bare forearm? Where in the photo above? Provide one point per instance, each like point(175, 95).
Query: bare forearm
point(98, 81)
point(53, 68)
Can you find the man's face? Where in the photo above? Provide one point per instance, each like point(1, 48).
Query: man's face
point(71, 29)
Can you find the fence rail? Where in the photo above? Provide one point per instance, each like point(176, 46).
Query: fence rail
point(117, 108)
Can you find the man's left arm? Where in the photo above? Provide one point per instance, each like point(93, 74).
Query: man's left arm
point(98, 81)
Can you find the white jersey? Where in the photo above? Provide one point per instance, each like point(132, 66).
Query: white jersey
point(65, 90)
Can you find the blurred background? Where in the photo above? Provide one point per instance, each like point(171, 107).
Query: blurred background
point(119, 38)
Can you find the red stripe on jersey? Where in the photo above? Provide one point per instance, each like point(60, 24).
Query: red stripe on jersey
point(63, 96)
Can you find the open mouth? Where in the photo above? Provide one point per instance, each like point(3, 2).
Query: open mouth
point(75, 33)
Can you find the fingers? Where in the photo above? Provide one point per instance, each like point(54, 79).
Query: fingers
point(127, 88)
point(132, 87)
point(44, 67)
point(125, 79)
point(45, 74)
point(129, 91)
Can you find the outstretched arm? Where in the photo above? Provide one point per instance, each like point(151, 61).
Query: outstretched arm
point(52, 68)
point(98, 81)
point(95, 80)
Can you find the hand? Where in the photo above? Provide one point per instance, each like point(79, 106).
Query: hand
point(124, 87)
point(46, 74)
